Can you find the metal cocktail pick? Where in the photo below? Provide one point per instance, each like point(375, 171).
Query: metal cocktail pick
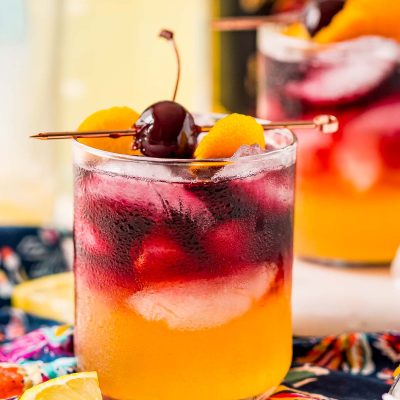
point(324, 123)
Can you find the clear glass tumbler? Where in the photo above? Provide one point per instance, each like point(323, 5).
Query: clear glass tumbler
point(183, 272)
point(348, 183)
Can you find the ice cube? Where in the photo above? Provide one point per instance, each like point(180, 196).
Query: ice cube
point(156, 197)
point(161, 258)
point(246, 150)
point(347, 71)
point(120, 190)
point(176, 197)
point(140, 170)
point(361, 155)
point(204, 303)
point(90, 238)
point(241, 166)
point(267, 191)
point(315, 152)
point(362, 169)
point(227, 242)
point(277, 139)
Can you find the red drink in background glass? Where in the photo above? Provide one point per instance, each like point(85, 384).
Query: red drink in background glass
point(348, 183)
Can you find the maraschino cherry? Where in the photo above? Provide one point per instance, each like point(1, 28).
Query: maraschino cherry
point(319, 13)
point(166, 129)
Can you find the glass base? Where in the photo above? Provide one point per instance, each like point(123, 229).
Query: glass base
point(263, 396)
point(344, 263)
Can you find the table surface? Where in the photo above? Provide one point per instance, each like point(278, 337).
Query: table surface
point(330, 300)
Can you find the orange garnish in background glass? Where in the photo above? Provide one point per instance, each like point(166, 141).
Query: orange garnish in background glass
point(363, 17)
point(228, 134)
point(111, 118)
point(297, 30)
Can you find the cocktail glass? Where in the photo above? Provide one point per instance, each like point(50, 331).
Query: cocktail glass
point(183, 272)
point(348, 183)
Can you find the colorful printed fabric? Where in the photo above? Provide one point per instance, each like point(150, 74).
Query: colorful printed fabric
point(35, 357)
point(355, 366)
point(27, 253)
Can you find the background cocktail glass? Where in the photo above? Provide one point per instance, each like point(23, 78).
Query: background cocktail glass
point(183, 272)
point(348, 183)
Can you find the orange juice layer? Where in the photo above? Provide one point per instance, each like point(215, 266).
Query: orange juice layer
point(332, 222)
point(147, 360)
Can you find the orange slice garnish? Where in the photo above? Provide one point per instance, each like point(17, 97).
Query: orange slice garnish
point(110, 119)
point(363, 17)
point(228, 134)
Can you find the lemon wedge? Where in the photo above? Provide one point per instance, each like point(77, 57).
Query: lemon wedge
point(79, 386)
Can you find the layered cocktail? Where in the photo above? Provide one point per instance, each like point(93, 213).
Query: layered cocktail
point(183, 271)
point(183, 252)
point(348, 188)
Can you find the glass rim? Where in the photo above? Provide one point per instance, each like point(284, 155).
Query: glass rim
point(287, 148)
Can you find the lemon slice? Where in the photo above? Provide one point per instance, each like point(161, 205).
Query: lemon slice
point(397, 371)
point(110, 119)
point(49, 297)
point(79, 386)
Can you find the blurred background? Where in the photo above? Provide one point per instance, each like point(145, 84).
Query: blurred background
point(61, 60)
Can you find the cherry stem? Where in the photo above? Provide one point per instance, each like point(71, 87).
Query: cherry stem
point(169, 35)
